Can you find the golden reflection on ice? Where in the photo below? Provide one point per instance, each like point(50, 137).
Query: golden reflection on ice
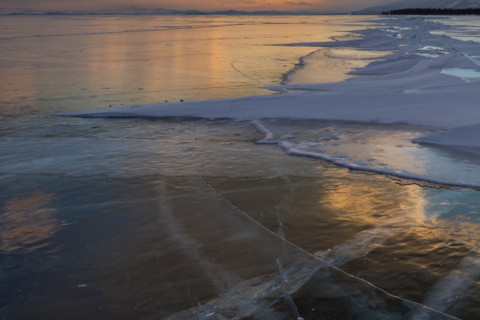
point(27, 222)
point(374, 205)
point(134, 60)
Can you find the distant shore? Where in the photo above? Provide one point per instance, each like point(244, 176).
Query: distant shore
point(433, 11)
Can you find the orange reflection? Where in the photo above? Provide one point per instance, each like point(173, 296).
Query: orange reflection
point(372, 204)
point(138, 60)
point(28, 222)
point(375, 212)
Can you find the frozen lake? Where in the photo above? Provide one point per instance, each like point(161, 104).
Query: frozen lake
point(187, 218)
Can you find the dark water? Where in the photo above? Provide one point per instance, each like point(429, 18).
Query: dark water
point(190, 219)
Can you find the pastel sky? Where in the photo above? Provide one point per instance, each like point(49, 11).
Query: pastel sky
point(207, 5)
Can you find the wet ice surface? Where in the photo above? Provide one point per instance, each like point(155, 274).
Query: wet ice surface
point(198, 221)
point(67, 63)
point(384, 149)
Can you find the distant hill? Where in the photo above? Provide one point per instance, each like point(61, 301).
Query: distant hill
point(148, 11)
point(402, 4)
point(127, 11)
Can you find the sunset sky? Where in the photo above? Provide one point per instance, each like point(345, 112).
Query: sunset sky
point(207, 5)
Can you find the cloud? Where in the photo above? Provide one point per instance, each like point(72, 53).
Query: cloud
point(314, 5)
point(300, 3)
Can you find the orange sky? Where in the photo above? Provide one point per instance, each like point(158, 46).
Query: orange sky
point(207, 5)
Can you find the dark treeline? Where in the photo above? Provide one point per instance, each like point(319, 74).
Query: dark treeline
point(434, 11)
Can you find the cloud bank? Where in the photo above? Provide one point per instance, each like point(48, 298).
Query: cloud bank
point(248, 5)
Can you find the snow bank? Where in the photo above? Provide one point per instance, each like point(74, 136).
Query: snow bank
point(408, 87)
